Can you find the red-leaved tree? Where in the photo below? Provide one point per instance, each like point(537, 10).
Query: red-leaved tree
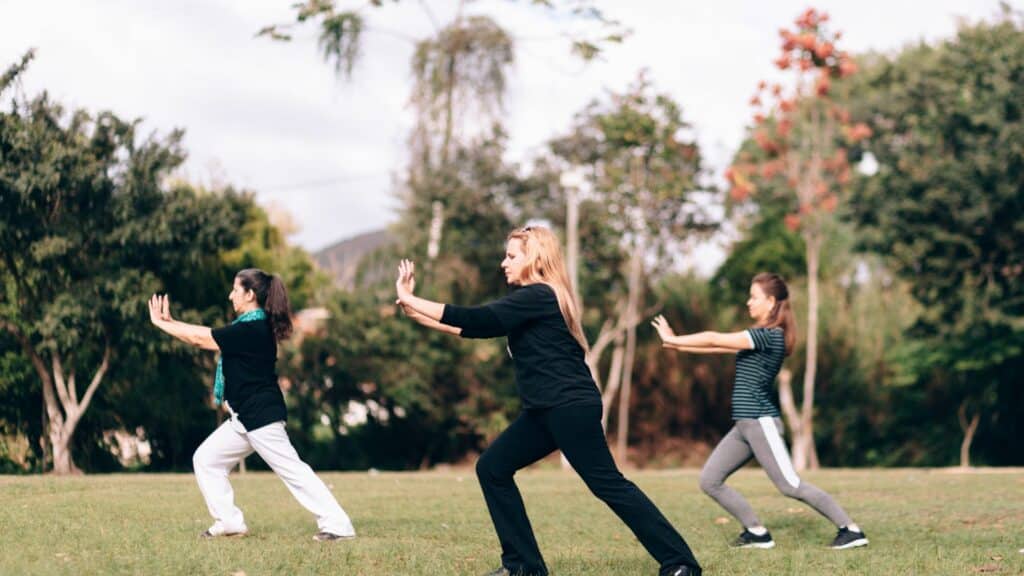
point(802, 138)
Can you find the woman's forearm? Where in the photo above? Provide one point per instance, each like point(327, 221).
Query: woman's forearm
point(696, 340)
point(193, 334)
point(434, 324)
point(700, 349)
point(732, 341)
point(432, 310)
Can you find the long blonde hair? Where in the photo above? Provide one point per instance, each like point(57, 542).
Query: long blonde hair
point(544, 263)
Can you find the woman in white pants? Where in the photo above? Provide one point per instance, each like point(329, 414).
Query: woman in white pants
point(246, 383)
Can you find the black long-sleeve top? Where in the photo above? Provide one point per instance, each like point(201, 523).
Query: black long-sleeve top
point(550, 365)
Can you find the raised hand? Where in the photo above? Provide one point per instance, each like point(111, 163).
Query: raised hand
point(661, 325)
point(405, 285)
point(165, 308)
point(155, 305)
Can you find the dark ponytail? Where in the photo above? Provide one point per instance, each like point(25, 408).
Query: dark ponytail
point(782, 314)
point(272, 297)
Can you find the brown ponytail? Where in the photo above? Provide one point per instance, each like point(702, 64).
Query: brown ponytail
point(272, 297)
point(782, 314)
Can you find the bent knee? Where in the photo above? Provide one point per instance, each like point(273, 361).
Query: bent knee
point(710, 483)
point(789, 490)
point(200, 459)
point(489, 469)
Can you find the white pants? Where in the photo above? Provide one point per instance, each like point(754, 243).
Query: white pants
point(230, 443)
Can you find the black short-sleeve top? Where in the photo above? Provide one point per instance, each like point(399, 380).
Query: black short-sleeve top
point(248, 352)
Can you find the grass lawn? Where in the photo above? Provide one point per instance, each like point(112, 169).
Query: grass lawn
point(919, 522)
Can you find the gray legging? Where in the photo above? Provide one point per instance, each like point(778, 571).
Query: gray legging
point(762, 439)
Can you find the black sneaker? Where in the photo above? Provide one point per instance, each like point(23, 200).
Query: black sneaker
point(681, 571)
point(846, 539)
point(322, 536)
point(502, 571)
point(748, 539)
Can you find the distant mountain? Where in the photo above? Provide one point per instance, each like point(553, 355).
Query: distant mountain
point(342, 258)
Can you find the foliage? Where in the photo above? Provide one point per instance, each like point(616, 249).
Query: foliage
point(945, 209)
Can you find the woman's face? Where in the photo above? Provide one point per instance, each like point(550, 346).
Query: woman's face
point(514, 262)
point(242, 300)
point(759, 305)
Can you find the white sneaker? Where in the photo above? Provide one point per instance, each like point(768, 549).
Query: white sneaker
point(218, 531)
point(323, 536)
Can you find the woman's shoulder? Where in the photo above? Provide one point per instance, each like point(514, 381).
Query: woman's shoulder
point(767, 338)
point(537, 290)
point(246, 330)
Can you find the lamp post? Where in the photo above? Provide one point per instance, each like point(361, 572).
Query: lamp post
point(572, 180)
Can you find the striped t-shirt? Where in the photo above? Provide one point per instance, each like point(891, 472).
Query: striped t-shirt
point(756, 369)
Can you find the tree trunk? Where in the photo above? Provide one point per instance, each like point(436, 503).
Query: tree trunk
point(572, 249)
point(63, 465)
point(449, 96)
point(805, 456)
point(449, 120)
point(632, 312)
point(59, 392)
point(969, 429)
point(64, 409)
point(614, 378)
point(788, 405)
point(572, 242)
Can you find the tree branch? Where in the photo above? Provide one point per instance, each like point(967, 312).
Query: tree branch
point(97, 378)
point(604, 337)
point(58, 379)
point(52, 410)
point(72, 390)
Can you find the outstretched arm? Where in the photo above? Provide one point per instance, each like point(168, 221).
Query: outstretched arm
point(701, 342)
point(427, 321)
point(423, 311)
point(193, 334)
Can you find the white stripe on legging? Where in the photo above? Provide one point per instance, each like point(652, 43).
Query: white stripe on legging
point(771, 433)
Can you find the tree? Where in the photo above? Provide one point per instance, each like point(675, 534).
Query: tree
point(463, 67)
point(646, 171)
point(803, 139)
point(457, 194)
point(87, 231)
point(945, 208)
point(341, 30)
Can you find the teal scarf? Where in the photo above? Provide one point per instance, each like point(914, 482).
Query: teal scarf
point(218, 382)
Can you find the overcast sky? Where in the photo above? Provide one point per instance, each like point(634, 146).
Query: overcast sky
point(273, 117)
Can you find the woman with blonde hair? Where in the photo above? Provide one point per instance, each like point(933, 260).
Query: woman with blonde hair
point(757, 430)
point(560, 401)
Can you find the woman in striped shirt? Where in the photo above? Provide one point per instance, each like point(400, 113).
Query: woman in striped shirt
point(757, 432)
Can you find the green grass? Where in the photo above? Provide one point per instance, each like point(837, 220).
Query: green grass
point(920, 522)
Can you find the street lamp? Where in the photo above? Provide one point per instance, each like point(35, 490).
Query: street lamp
point(868, 164)
point(572, 181)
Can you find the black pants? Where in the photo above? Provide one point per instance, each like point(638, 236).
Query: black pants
point(577, 432)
